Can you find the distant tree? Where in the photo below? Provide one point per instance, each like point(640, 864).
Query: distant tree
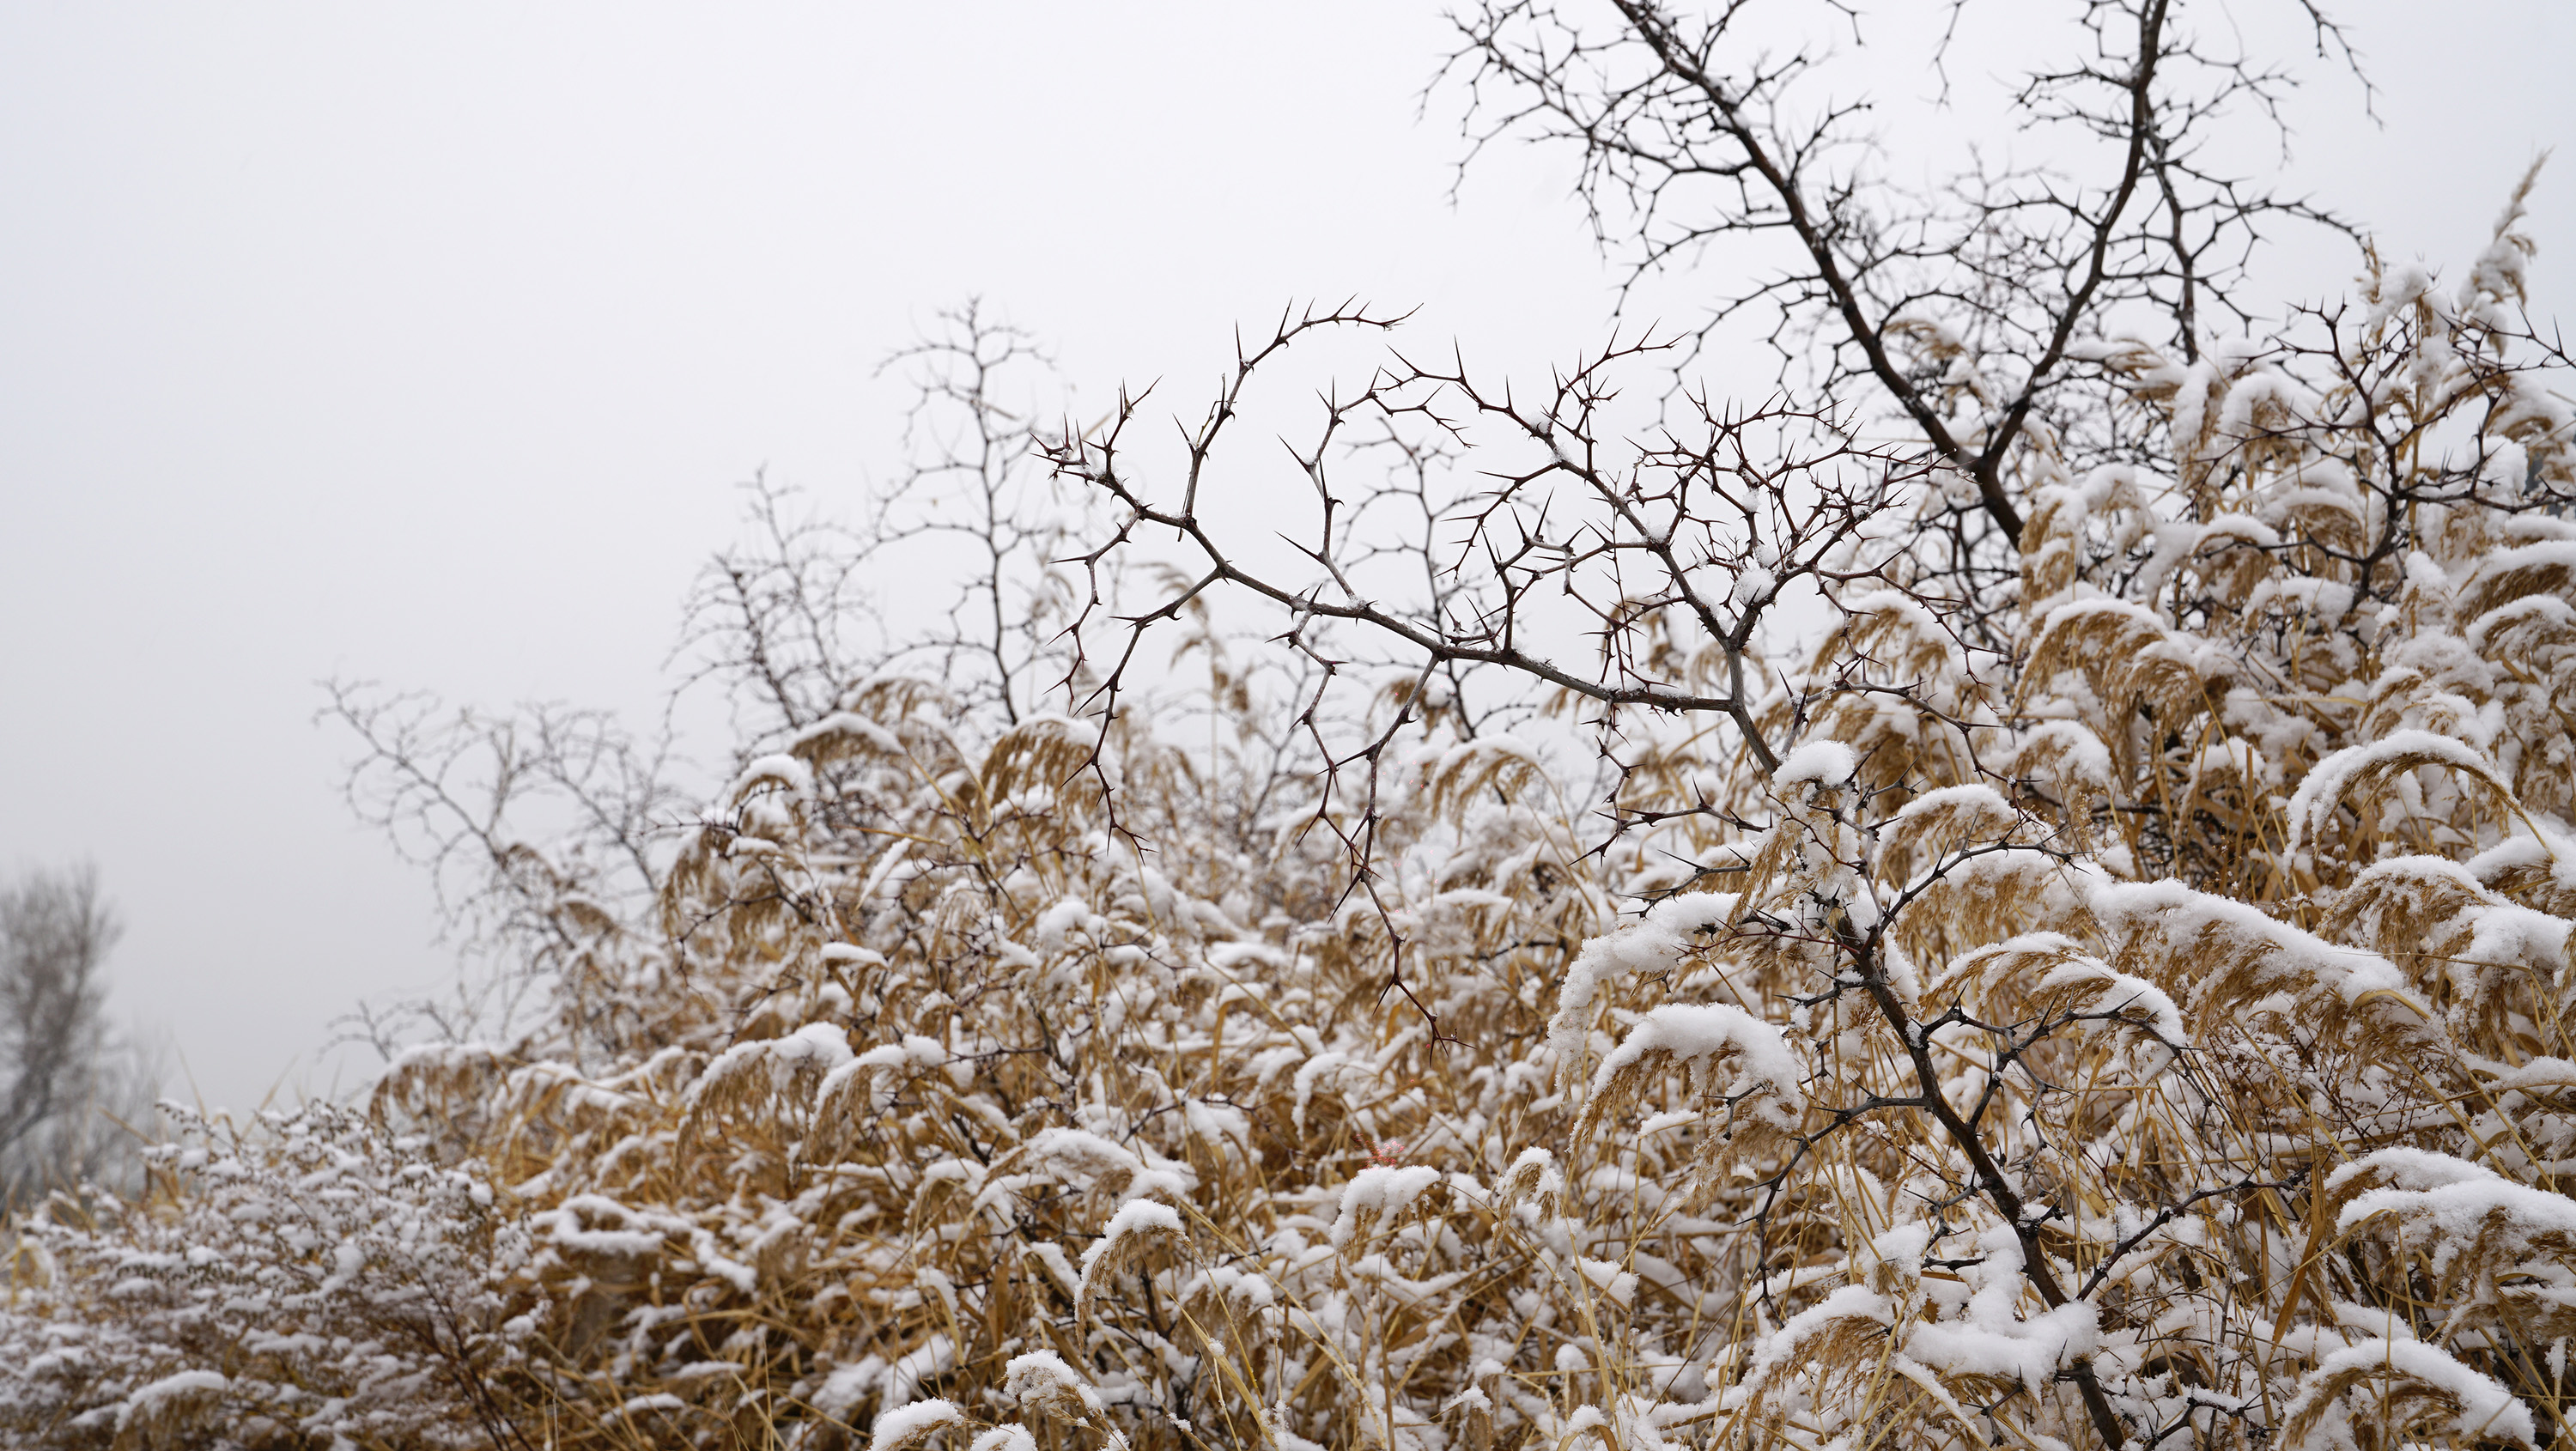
point(60, 1066)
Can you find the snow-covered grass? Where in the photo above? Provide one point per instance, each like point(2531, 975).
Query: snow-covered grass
point(2151, 1017)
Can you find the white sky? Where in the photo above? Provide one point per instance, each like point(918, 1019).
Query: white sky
point(422, 342)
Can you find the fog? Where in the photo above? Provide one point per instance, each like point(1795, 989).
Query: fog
point(426, 344)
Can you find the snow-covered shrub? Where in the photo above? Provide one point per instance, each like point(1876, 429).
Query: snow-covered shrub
point(315, 1280)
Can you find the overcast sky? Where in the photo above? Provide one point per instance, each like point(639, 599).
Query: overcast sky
point(423, 342)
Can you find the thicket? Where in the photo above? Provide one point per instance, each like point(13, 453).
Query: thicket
point(2104, 982)
point(75, 1099)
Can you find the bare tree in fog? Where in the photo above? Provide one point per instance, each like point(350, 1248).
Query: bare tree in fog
point(65, 1079)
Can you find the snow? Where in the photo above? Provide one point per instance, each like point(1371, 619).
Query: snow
point(1469, 754)
point(1851, 1302)
point(2162, 1018)
point(1320, 1071)
point(937, 1356)
point(843, 723)
point(1615, 1284)
point(1134, 1218)
point(784, 771)
point(2188, 923)
point(149, 1400)
point(2538, 609)
point(916, 1051)
point(1820, 763)
point(1973, 801)
point(2066, 617)
point(1692, 912)
point(848, 1385)
point(448, 1056)
point(2488, 1412)
point(637, 1405)
point(2400, 287)
point(2232, 755)
point(1990, 1338)
point(2409, 1169)
point(2031, 1351)
point(2540, 1073)
point(633, 1235)
point(906, 1425)
point(2473, 1202)
point(1042, 1375)
point(2241, 414)
point(1060, 920)
point(2064, 963)
point(823, 1045)
point(2506, 569)
point(2313, 805)
point(816, 1046)
point(1084, 1160)
point(1057, 1266)
point(1533, 1172)
point(1700, 1034)
point(1380, 1193)
point(1755, 585)
point(1650, 945)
